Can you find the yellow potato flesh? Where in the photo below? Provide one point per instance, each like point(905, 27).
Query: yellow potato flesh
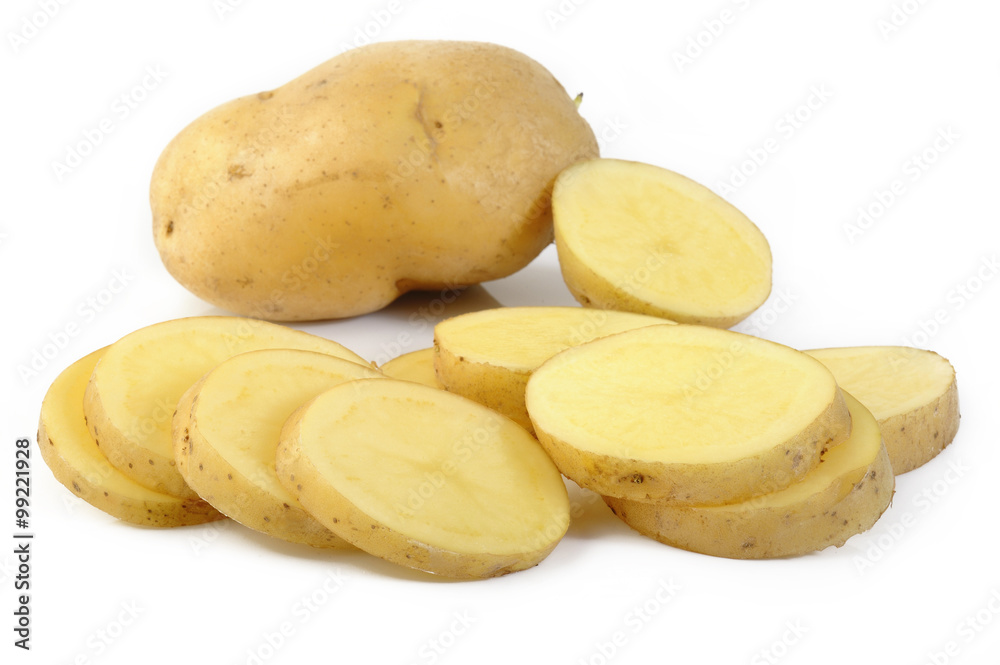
point(417, 366)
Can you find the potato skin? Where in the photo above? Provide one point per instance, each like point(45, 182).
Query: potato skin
point(391, 167)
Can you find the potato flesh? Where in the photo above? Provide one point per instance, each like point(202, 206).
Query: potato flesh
point(637, 237)
point(422, 466)
point(416, 366)
point(135, 387)
point(78, 462)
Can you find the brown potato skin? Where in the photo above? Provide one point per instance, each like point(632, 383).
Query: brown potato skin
point(391, 167)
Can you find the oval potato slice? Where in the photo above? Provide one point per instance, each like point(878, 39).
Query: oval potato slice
point(685, 414)
point(226, 432)
point(78, 462)
point(415, 366)
point(424, 478)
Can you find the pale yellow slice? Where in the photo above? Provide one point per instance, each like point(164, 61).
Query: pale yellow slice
point(489, 355)
point(78, 462)
point(640, 238)
point(415, 366)
point(911, 392)
point(135, 387)
point(843, 496)
point(424, 478)
point(226, 432)
point(685, 414)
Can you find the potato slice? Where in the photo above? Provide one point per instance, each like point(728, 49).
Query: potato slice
point(78, 463)
point(843, 496)
point(489, 355)
point(685, 414)
point(424, 478)
point(226, 433)
point(911, 392)
point(640, 238)
point(417, 366)
point(134, 389)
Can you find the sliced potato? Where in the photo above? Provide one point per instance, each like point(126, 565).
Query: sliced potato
point(639, 238)
point(78, 463)
point(489, 355)
point(134, 389)
point(843, 496)
point(424, 478)
point(685, 414)
point(911, 392)
point(415, 366)
point(226, 433)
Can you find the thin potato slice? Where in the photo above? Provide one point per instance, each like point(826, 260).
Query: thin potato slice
point(685, 414)
point(843, 496)
point(489, 355)
point(226, 432)
point(134, 389)
point(417, 366)
point(424, 478)
point(639, 238)
point(911, 392)
point(78, 463)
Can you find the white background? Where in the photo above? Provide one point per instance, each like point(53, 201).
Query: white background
point(905, 592)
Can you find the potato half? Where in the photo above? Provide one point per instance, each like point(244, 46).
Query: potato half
point(424, 478)
point(134, 389)
point(685, 414)
point(226, 432)
point(912, 393)
point(415, 366)
point(843, 496)
point(489, 355)
point(78, 462)
point(640, 238)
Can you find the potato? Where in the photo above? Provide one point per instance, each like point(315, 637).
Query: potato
point(415, 366)
point(489, 355)
point(424, 478)
point(133, 392)
point(843, 496)
point(78, 463)
point(391, 167)
point(911, 392)
point(685, 414)
point(639, 238)
point(226, 431)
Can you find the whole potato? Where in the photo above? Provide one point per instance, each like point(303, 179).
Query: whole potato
point(392, 167)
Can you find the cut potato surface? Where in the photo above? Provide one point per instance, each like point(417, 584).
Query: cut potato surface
point(78, 463)
point(843, 496)
point(639, 238)
point(226, 432)
point(685, 414)
point(417, 366)
point(911, 392)
point(134, 389)
point(424, 478)
point(489, 355)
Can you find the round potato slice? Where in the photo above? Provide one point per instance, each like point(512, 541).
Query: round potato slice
point(685, 414)
point(415, 366)
point(134, 389)
point(78, 463)
point(639, 238)
point(911, 392)
point(424, 478)
point(226, 432)
point(843, 496)
point(489, 355)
